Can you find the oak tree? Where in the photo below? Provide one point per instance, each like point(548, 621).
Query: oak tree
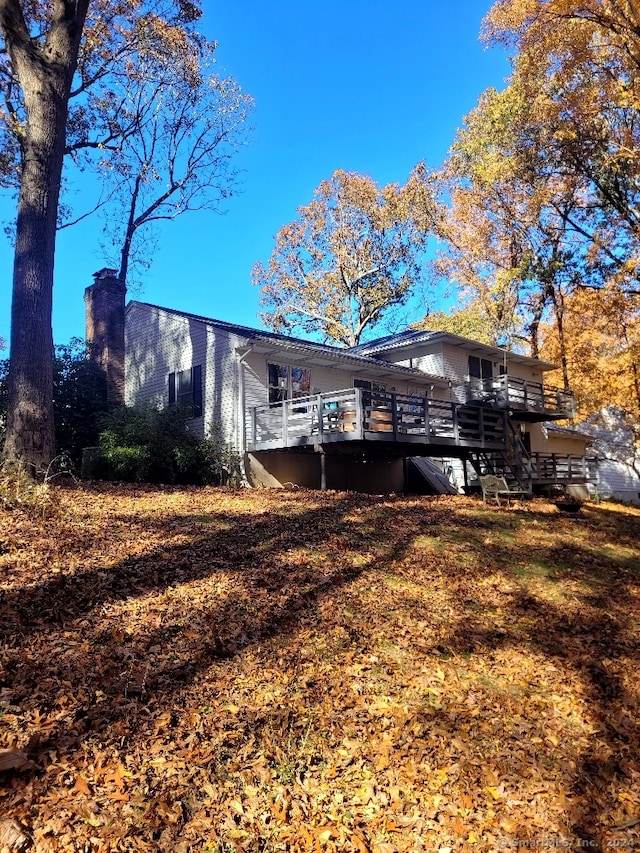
point(577, 63)
point(507, 241)
point(469, 320)
point(602, 343)
point(353, 253)
point(62, 68)
point(43, 63)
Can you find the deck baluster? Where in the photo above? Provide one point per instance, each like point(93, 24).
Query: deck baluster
point(285, 423)
point(320, 417)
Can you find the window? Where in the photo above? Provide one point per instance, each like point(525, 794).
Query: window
point(287, 382)
point(480, 368)
point(185, 389)
point(367, 385)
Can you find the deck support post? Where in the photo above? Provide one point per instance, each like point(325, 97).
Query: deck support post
point(359, 425)
point(394, 415)
point(285, 423)
point(320, 416)
point(323, 469)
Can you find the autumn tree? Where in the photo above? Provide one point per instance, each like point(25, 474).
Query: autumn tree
point(577, 63)
point(353, 253)
point(468, 320)
point(602, 333)
point(507, 240)
point(542, 181)
point(42, 63)
point(64, 68)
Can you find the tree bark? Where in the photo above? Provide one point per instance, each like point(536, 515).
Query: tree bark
point(45, 74)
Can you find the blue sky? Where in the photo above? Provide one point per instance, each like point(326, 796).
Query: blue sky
point(372, 87)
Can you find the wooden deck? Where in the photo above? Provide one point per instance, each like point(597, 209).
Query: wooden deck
point(356, 421)
point(531, 400)
point(359, 415)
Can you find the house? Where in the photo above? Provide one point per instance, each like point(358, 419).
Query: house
point(342, 418)
point(614, 441)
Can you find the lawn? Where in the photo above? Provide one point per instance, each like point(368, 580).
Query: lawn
point(212, 670)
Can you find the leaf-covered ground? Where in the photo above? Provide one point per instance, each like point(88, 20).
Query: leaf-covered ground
point(202, 670)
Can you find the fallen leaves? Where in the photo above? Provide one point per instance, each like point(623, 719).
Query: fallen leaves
point(13, 759)
point(206, 670)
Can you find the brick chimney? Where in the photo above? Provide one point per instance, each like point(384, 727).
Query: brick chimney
point(104, 328)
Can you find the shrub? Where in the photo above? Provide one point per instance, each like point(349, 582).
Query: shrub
point(147, 445)
point(79, 399)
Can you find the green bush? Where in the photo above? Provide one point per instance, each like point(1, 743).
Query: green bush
point(147, 445)
point(79, 400)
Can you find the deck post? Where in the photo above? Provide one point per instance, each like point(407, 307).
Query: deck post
point(394, 415)
point(481, 424)
point(425, 406)
point(454, 419)
point(323, 470)
point(254, 426)
point(320, 416)
point(285, 425)
point(359, 412)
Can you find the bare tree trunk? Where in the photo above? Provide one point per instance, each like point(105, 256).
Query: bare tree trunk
point(558, 306)
point(534, 325)
point(45, 77)
point(635, 378)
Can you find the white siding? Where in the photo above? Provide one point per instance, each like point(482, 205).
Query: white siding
point(429, 361)
point(455, 368)
point(619, 480)
point(159, 342)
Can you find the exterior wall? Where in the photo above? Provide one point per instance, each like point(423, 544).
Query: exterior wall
point(430, 360)
point(159, 343)
point(343, 473)
point(619, 480)
point(544, 440)
point(574, 445)
point(451, 362)
point(456, 369)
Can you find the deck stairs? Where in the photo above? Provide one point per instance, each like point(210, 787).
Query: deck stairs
point(513, 463)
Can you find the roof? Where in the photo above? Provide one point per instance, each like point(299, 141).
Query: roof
point(412, 338)
point(392, 341)
point(319, 354)
point(568, 431)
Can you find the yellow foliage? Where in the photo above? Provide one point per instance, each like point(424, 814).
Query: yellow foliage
point(602, 334)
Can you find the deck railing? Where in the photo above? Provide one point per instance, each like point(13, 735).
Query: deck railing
point(559, 467)
point(358, 414)
point(522, 395)
point(545, 468)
